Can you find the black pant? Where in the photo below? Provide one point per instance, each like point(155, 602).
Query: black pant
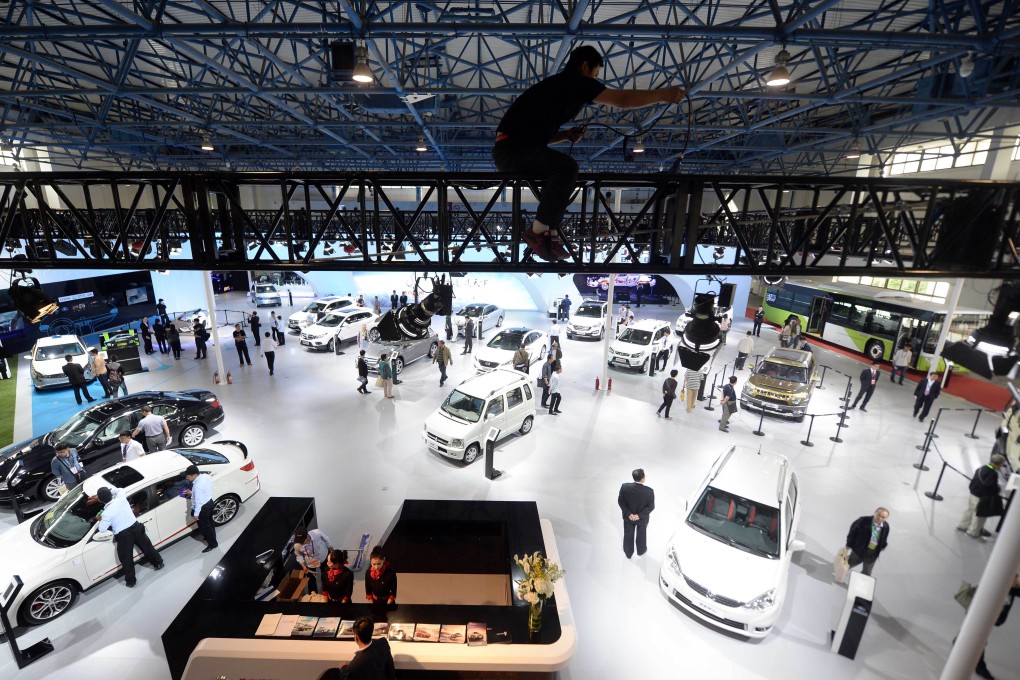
point(258, 338)
point(629, 536)
point(276, 337)
point(554, 402)
point(281, 337)
point(865, 392)
point(126, 540)
point(739, 363)
point(80, 390)
point(104, 380)
point(3, 368)
point(176, 348)
point(545, 394)
point(468, 342)
point(147, 342)
point(270, 360)
point(558, 170)
point(667, 402)
point(756, 330)
point(920, 404)
point(200, 349)
point(442, 371)
point(205, 524)
point(242, 353)
point(662, 358)
point(161, 341)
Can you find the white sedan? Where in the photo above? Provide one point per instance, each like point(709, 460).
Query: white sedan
point(61, 553)
point(499, 352)
point(49, 356)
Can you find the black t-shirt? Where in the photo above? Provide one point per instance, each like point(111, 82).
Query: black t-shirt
point(545, 107)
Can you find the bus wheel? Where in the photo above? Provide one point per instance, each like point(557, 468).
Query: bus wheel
point(874, 350)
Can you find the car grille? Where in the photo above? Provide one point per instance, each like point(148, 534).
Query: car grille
point(438, 440)
point(293, 324)
point(769, 395)
point(729, 623)
point(487, 364)
point(306, 336)
point(703, 591)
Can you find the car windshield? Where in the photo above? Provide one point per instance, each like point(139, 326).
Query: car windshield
point(463, 406)
point(331, 320)
point(590, 310)
point(779, 371)
point(636, 336)
point(506, 340)
point(68, 521)
point(747, 525)
point(75, 431)
point(472, 310)
point(265, 289)
point(314, 307)
point(57, 351)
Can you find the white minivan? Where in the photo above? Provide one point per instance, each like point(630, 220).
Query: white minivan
point(502, 399)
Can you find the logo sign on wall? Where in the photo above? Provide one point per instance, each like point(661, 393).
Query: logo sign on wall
point(649, 288)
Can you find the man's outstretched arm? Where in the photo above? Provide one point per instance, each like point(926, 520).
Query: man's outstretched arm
point(636, 99)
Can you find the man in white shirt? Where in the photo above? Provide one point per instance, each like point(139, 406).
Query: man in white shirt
point(127, 533)
point(901, 361)
point(129, 448)
point(744, 349)
point(202, 504)
point(281, 331)
point(157, 432)
point(311, 547)
point(662, 356)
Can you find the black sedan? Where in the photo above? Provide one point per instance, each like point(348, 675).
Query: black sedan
point(93, 432)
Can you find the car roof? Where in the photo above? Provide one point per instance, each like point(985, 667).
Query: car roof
point(485, 384)
point(149, 466)
point(115, 407)
point(57, 340)
point(346, 312)
point(648, 324)
point(520, 330)
point(792, 357)
point(752, 474)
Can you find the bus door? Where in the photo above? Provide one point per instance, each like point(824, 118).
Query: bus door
point(819, 313)
point(916, 330)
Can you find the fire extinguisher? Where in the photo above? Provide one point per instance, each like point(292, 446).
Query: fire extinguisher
point(229, 381)
point(216, 377)
point(609, 384)
point(596, 383)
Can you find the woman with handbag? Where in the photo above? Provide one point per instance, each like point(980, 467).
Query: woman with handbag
point(385, 376)
point(692, 385)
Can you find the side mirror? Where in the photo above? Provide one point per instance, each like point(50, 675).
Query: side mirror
point(796, 545)
point(102, 536)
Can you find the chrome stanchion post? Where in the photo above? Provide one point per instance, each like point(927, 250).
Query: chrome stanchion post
point(761, 419)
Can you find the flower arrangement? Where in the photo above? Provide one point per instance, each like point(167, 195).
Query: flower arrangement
point(539, 576)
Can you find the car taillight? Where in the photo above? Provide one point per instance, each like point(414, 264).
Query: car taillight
point(248, 467)
point(216, 403)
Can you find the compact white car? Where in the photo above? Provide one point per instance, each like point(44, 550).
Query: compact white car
point(49, 356)
point(60, 553)
point(499, 352)
point(316, 309)
point(490, 316)
point(729, 561)
point(185, 321)
point(588, 320)
point(637, 344)
point(502, 399)
point(337, 327)
point(265, 295)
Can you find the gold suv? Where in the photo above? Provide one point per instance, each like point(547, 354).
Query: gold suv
point(781, 383)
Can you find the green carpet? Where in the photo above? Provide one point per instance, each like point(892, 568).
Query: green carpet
point(8, 395)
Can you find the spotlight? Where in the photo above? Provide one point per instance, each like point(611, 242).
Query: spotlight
point(780, 74)
point(639, 144)
point(30, 300)
point(413, 321)
point(362, 74)
point(966, 66)
point(422, 146)
point(855, 151)
point(773, 280)
point(534, 275)
point(719, 253)
point(328, 249)
point(992, 350)
point(207, 144)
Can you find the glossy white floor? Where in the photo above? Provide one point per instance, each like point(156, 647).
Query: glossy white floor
point(360, 456)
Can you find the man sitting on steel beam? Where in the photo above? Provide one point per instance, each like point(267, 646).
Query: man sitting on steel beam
point(533, 122)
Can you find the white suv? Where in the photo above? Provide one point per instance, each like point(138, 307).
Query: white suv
point(336, 327)
point(316, 309)
point(637, 344)
point(588, 320)
point(729, 561)
point(49, 356)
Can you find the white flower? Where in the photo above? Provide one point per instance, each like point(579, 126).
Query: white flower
point(531, 597)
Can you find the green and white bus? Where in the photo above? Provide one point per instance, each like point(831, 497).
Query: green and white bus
point(869, 320)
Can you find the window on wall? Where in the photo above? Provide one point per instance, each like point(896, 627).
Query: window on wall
point(941, 157)
point(935, 291)
point(1016, 150)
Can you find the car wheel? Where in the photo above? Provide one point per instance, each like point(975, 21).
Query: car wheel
point(398, 365)
point(471, 454)
point(602, 333)
point(644, 366)
point(48, 489)
point(432, 349)
point(874, 350)
point(192, 435)
point(330, 345)
point(526, 425)
point(499, 322)
point(225, 509)
point(542, 356)
point(373, 335)
point(49, 602)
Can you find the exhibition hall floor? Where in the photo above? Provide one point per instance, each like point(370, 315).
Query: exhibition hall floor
point(312, 434)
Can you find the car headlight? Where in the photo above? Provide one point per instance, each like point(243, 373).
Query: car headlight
point(749, 391)
point(673, 561)
point(456, 443)
point(798, 399)
point(762, 602)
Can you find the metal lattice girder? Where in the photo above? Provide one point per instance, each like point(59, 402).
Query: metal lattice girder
point(472, 222)
point(110, 84)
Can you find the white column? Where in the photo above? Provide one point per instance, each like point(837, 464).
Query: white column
point(210, 302)
point(954, 300)
point(610, 333)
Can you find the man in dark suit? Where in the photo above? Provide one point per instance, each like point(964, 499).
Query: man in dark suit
point(637, 502)
point(394, 300)
point(925, 393)
point(373, 660)
point(76, 376)
point(867, 539)
point(869, 378)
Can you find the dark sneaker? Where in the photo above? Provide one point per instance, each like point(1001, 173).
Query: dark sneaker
point(539, 244)
point(558, 250)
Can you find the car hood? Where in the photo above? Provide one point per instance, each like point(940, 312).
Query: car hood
point(627, 347)
point(499, 356)
point(445, 424)
point(316, 329)
point(776, 384)
point(586, 321)
point(302, 316)
point(723, 569)
point(53, 366)
point(24, 447)
point(33, 558)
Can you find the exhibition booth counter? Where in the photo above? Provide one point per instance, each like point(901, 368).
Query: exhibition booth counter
point(454, 557)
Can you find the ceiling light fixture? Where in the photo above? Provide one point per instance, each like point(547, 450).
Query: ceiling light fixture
point(422, 146)
point(28, 297)
point(780, 74)
point(966, 66)
point(639, 144)
point(207, 144)
point(362, 74)
point(855, 151)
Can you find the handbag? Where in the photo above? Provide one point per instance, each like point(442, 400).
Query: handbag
point(732, 406)
point(990, 506)
point(965, 594)
point(841, 565)
point(379, 382)
point(62, 489)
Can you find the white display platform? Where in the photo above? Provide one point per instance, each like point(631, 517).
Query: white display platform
point(292, 659)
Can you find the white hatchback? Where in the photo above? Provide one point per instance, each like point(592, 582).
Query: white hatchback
point(337, 327)
point(49, 356)
point(61, 553)
point(729, 561)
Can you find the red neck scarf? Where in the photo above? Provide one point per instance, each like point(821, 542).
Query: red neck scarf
point(376, 575)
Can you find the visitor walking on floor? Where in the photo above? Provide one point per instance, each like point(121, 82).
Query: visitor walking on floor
point(174, 337)
point(268, 351)
point(728, 403)
point(362, 366)
point(443, 358)
point(669, 386)
point(554, 392)
point(241, 344)
point(867, 538)
point(692, 385)
point(984, 500)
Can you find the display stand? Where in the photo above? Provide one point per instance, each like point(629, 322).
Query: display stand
point(854, 617)
point(490, 454)
point(124, 343)
point(23, 657)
